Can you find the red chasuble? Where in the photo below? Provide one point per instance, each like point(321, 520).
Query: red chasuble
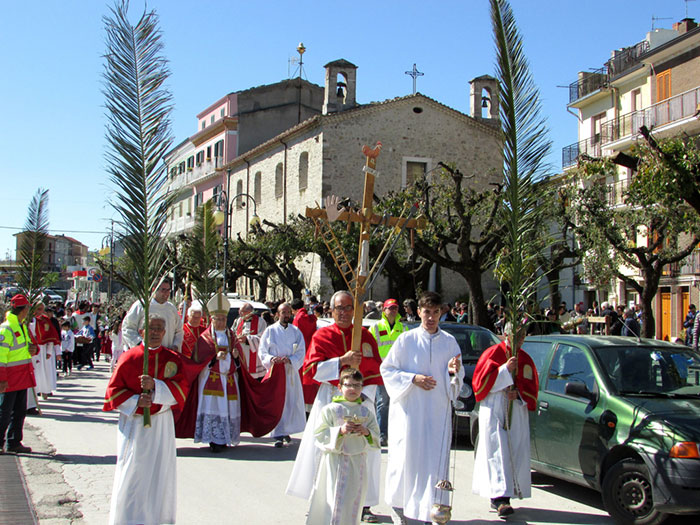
point(191, 334)
point(45, 331)
point(486, 370)
point(332, 341)
point(253, 365)
point(163, 364)
point(262, 402)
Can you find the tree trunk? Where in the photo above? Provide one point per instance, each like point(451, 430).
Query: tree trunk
point(651, 287)
point(476, 300)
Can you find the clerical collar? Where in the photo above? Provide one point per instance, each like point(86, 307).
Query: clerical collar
point(341, 399)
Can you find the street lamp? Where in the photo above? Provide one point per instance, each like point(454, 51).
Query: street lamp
point(221, 216)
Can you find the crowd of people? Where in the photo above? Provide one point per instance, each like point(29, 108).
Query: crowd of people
point(281, 373)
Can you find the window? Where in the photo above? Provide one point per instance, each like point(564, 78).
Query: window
point(200, 157)
point(198, 199)
point(215, 193)
point(303, 170)
point(279, 181)
point(181, 167)
point(663, 85)
point(257, 187)
point(190, 162)
point(179, 209)
point(208, 153)
point(569, 365)
point(596, 128)
point(204, 124)
point(212, 119)
point(239, 189)
point(219, 152)
point(222, 112)
point(636, 100)
point(414, 171)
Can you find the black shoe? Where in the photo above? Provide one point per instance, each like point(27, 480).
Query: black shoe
point(383, 441)
point(368, 516)
point(19, 449)
point(504, 509)
point(496, 502)
point(279, 443)
point(287, 439)
point(90, 367)
point(33, 411)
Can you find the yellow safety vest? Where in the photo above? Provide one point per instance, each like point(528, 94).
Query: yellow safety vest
point(15, 360)
point(386, 334)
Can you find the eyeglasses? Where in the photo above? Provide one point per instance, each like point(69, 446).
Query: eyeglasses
point(353, 385)
point(346, 308)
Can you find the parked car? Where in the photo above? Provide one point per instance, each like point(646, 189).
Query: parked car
point(236, 302)
point(51, 296)
point(10, 292)
point(622, 416)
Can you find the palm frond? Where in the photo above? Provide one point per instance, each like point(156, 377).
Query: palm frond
point(526, 145)
point(203, 248)
point(31, 276)
point(138, 134)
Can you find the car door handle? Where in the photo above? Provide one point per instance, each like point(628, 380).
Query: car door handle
point(544, 405)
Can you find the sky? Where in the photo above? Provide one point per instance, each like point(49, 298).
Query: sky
point(52, 117)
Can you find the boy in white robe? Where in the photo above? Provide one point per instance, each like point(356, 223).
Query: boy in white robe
point(347, 431)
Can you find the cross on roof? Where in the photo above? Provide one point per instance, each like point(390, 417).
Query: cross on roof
point(414, 73)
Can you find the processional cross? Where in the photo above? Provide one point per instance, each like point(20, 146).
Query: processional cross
point(358, 277)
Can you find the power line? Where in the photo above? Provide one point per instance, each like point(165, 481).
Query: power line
point(60, 231)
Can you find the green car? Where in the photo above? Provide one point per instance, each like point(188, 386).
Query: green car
point(622, 416)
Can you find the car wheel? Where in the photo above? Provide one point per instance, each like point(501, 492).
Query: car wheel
point(627, 494)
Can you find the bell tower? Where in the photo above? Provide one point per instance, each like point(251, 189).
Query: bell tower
point(483, 98)
point(341, 82)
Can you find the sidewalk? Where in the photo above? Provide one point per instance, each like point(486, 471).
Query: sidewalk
point(14, 500)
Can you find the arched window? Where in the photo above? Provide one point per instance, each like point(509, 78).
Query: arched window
point(279, 181)
point(303, 170)
point(257, 187)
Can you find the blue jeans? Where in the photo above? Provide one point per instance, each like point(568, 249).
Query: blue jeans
point(382, 402)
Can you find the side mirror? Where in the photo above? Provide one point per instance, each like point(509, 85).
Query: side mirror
point(580, 389)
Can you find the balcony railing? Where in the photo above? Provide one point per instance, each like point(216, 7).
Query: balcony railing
point(670, 110)
point(626, 59)
point(571, 153)
point(616, 192)
point(196, 172)
point(588, 83)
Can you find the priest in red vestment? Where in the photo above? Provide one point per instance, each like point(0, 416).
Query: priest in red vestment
point(330, 351)
point(306, 323)
point(48, 340)
point(248, 323)
point(192, 329)
point(504, 379)
point(145, 478)
point(224, 399)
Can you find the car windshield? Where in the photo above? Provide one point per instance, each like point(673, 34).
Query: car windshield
point(660, 371)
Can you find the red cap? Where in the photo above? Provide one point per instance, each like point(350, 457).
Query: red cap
point(19, 300)
point(390, 302)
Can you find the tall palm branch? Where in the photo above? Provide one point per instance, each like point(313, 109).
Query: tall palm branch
point(138, 134)
point(31, 276)
point(525, 147)
point(202, 248)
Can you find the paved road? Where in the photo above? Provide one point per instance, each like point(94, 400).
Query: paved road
point(70, 474)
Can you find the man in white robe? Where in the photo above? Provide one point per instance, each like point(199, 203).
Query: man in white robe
point(423, 375)
point(283, 342)
point(145, 476)
point(134, 320)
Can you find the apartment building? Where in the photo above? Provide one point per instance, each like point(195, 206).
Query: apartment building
point(655, 83)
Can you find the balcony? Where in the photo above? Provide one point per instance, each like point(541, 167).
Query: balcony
point(571, 153)
point(626, 59)
point(196, 173)
point(587, 84)
point(670, 110)
point(616, 192)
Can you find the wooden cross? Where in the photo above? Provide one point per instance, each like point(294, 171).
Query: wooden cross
point(356, 277)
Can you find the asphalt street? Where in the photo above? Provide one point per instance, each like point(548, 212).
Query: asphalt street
point(70, 472)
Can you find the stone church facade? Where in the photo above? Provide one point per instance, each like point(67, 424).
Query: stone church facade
point(322, 156)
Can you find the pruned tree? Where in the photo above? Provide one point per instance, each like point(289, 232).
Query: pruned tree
point(634, 241)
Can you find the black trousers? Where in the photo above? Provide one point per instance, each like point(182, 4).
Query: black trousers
point(13, 409)
point(67, 361)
